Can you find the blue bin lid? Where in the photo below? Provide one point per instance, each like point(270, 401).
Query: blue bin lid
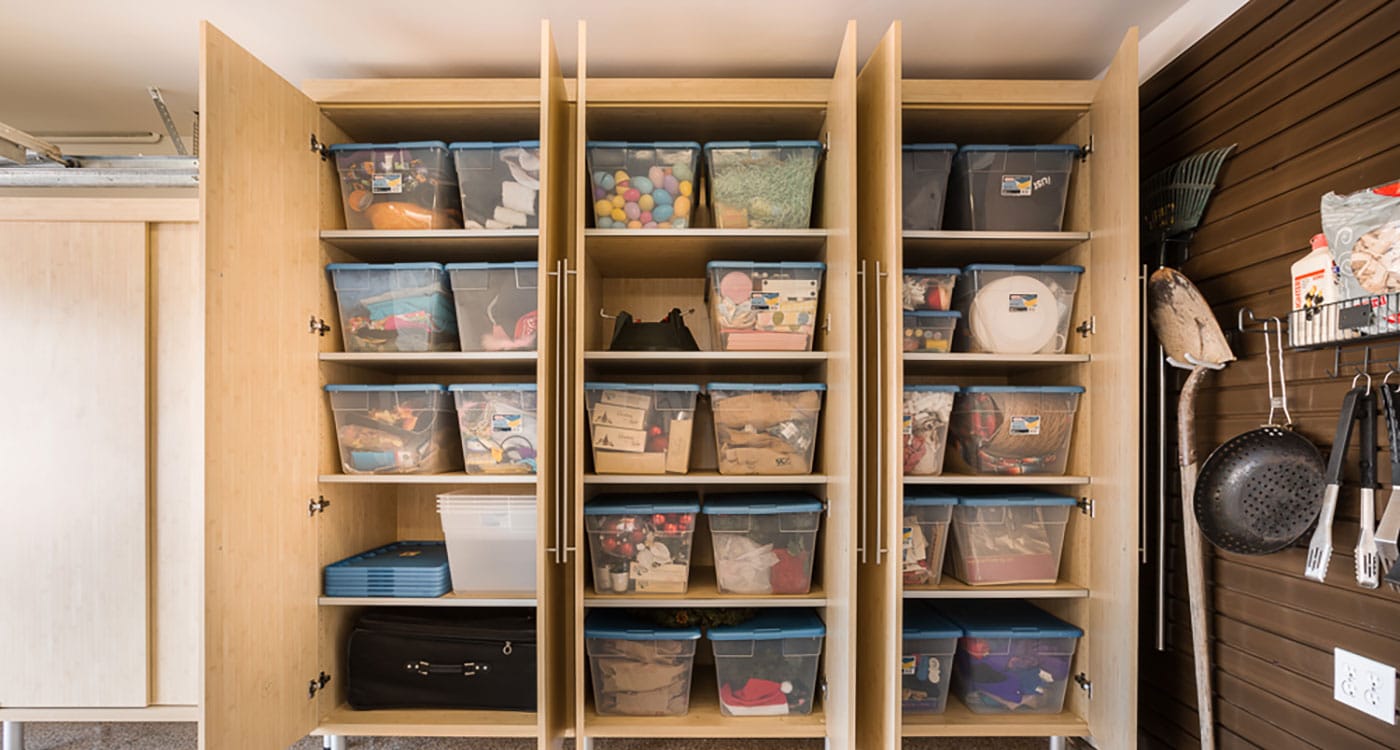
point(665, 502)
point(760, 503)
point(914, 498)
point(1003, 147)
point(384, 267)
point(1005, 618)
point(790, 265)
point(930, 147)
point(921, 622)
point(610, 623)
point(1023, 389)
point(480, 145)
point(932, 388)
point(934, 313)
point(680, 387)
point(940, 271)
point(1022, 269)
point(491, 387)
point(387, 146)
point(517, 265)
point(397, 556)
point(643, 144)
point(770, 625)
point(765, 387)
point(396, 388)
point(981, 500)
point(714, 145)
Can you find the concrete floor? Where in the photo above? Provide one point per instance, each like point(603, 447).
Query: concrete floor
point(182, 737)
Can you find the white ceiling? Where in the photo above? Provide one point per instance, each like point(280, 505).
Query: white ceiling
point(83, 65)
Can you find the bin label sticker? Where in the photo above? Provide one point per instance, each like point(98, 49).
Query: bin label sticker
point(1022, 302)
point(629, 399)
point(763, 301)
point(507, 423)
point(1016, 185)
point(908, 424)
point(387, 182)
point(791, 288)
point(1025, 425)
point(908, 663)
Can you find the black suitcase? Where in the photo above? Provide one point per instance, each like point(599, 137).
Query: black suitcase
point(474, 659)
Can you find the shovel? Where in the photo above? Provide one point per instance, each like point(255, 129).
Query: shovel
point(1193, 340)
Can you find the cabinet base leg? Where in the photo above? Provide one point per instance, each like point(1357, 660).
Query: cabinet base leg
point(333, 742)
point(13, 736)
point(1059, 743)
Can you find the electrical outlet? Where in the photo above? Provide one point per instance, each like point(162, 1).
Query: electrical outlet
point(1365, 685)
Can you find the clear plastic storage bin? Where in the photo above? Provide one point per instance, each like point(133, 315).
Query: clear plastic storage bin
point(638, 668)
point(925, 535)
point(394, 307)
point(644, 185)
point(499, 427)
point(497, 305)
point(762, 185)
point(398, 185)
point(1013, 429)
point(1013, 657)
point(1009, 538)
point(641, 429)
point(930, 331)
point(641, 543)
point(764, 543)
point(395, 429)
point(490, 541)
point(1009, 188)
point(929, 288)
point(764, 306)
point(926, 659)
point(766, 428)
point(500, 184)
point(1016, 309)
point(767, 666)
point(925, 183)
point(926, 412)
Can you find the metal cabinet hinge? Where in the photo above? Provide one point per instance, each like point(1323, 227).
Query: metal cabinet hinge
point(319, 148)
point(1087, 327)
point(826, 142)
point(824, 691)
point(1086, 506)
point(318, 326)
point(316, 505)
point(314, 686)
point(826, 325)
point(1082, 680)
point(1087, 149)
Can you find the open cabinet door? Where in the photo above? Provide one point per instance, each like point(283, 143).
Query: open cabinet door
point(260, 210)
point(1113, 611)
point(880, 132)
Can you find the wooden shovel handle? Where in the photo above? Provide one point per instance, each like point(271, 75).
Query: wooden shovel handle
point(1195, 560)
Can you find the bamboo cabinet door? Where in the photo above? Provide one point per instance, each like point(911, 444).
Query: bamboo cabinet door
point(259, 192)
point(1113, 418)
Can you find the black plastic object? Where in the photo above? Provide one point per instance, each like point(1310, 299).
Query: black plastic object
point(669, 334)
point(478, 660)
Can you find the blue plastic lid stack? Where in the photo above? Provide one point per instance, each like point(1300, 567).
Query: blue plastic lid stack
point(771, 625)
point(401, 569)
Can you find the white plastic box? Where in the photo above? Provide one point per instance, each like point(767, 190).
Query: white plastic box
point(927, 515)
point(1009, 538)
point(765, 543)
point(641, 543)
point(395, 429)
point(764, 306)
point(766, 428)
point(762, 185)
point(1010, 309)
point(767, 666)
point(1012, 429)
point(397, 185)
point(500, 184)
point(497, 305)
point(499, 426)
point(490, 542)
point(394, 307)
point(640, 428)
point(925, 432)
point(644, 185)
point(638, 668)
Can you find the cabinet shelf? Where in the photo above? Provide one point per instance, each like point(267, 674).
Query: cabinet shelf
point(997, 479)
point(958, 721)
point(965, 363)
point(955, 248)
point(703, 478)
point(704, 719)
point(347, 721)
point(951, 588)
point(702, 363)
point(702, 592)
point(487, 479)
point(437, 363)
point(677, 253)
point(450, 599)
point(438, 245)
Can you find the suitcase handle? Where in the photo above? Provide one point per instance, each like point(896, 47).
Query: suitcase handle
point(466, 669)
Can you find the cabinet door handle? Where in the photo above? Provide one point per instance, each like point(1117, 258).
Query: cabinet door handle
point(559, 415)
point(863, 383)
point(879, 520)
point(567, 413)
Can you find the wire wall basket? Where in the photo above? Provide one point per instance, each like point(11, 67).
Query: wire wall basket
point(1345, 321)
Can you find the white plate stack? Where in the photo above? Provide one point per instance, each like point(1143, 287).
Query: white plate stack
point(490, 542)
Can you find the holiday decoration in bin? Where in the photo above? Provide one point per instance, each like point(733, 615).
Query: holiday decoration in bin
point(640, 428)
point(643, 185)
point(929, 641)
point(762, 185)
point(639, 668)
point(1013, 657)
point(767, 665)
point(764, 306)
point(1011, 429)
point(499, 182)
point(1014, 537)
point(395, 429)
point(925, 433)
point(766, 428)
point(394, 307)
point(764, 542)
point(499, 427)
point(397, 185)
point(924, 537)
point(641, 543)
point(497, 305)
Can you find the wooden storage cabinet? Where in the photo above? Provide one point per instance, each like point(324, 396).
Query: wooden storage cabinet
point(1096, 588)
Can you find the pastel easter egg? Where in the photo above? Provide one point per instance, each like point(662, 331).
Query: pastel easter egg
point(649, 225)
point(618, 215)
point(634, 224)
point(646, 202)
point(680, 222)
point(645, 217)
point(682, 171)
point(686, 187)
point(662, 213)
point(642, 185)
point(620, 177)
point(603, 180)
point(661, 197)
point(602, 208)
point(632, 195)
point(671, 184)
point(605, 222)
point(682, 206)
point(632, 211)
point(599, 193)
point(618, 201)
point(656, 174)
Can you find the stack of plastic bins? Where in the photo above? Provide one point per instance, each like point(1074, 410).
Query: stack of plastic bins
point(499, 426)
point(765, 542)
point(766, 428)
point(638, 668)
point(395, 429)
point(1009, 538)
point(1009, 188)
point(640, 428)
point(926, 517)
point(641, 543)
point(925, 183)
point(767, 185)
point(394, 307)
point(490, 542)
point(767, 666)
point(926, 663)
point(1013, 657)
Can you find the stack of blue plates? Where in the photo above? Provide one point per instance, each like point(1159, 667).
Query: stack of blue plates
point(401, 569)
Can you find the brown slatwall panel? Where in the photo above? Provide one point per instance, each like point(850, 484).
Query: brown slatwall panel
point(1311, 93)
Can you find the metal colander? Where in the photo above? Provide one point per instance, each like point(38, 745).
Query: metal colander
point(1259, 492)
